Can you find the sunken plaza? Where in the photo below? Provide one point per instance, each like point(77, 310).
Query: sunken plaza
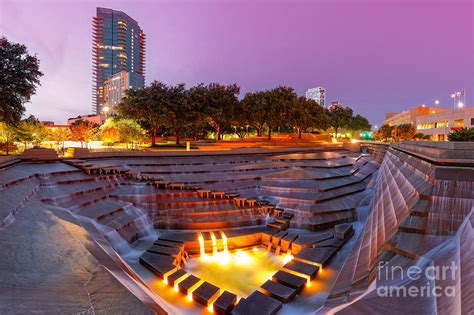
point(248, 230)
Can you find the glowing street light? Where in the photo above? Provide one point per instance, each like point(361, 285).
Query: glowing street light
point(105, 109)
point(437, 102)
point(460, 104)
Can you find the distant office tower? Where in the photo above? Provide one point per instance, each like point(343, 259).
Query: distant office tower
point(118, 44)
point(317, 94)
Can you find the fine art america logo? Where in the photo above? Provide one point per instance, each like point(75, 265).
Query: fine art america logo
point(416, 281)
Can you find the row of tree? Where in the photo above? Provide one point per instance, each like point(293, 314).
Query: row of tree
point(398, 133)
point(30, 131)
point(180, 110)
point(217, 106)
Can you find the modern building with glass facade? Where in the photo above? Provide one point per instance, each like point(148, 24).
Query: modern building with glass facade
point(317, 94)
point(114, 90)
point(118, 45)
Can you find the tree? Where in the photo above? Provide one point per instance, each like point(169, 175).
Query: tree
point(59, 135)
point(253, 110)
point(279, 102)
point(8, 134)
point(178, 109)
point(131, 132)
point(121, 130)
point(31, 130)
point(144, 105)
point(463, 134)
point(220, 102)
point(19, 77)
point(109, 131)
point(384, 133)
point(306, 113)
point(359, 123)
point(196, 95)
point(83, 131)
point(403, 132)
point(339, 117)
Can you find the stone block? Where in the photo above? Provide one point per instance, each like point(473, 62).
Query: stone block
point(290, 280)
point(164, 250)
point(161, 265)
point(307, 241)
point(169, 243)
point(277, 238)
point(278, 291)
point(331, 242)
point(206, 294)
point(316, 256)
point(188, 284)
point(301, 269)
point(176, 277)
point(257, 303)
point(225, 303)
point(287, 240)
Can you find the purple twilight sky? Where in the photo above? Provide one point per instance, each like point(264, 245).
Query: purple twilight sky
point(373, 55)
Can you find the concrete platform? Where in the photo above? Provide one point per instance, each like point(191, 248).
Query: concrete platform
point(169, 243)
point(176, 276)
point(161, 265)
point(277, 238)
point(225, 302)
point(257, 303)
point(164, 250)
point(287, 240)
point(188, 284)
point(307, 240)
point(278, 291)
point(301, 269)
point(206, 294)
point(331, 242)
point(316, 256)
point(290, 280)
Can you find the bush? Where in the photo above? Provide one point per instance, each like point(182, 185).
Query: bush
point(463, 134)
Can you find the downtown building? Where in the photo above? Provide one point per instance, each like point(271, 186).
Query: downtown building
point(436, 122)
point(118, 54)
point(317, 94)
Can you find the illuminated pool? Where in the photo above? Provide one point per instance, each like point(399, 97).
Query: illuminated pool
point(239, 272)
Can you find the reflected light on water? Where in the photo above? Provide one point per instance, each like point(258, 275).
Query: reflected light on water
point(240, 272)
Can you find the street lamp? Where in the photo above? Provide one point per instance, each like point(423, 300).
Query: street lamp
point(437, 102)
point(105, 109)
point(460, 104)
point(453, 96)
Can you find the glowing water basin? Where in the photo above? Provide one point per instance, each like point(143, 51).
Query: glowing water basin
point(240, 272)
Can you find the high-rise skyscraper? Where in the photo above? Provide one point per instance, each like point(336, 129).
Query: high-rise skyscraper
point(317, 94)
point(118, 44)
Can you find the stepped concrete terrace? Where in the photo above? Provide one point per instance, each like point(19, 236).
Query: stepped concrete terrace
point(183, 232)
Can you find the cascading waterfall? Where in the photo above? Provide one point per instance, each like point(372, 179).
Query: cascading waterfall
point(202, 249)
point(142, 222)
point(214, 244)
point(224, 242)
point(220, 257)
